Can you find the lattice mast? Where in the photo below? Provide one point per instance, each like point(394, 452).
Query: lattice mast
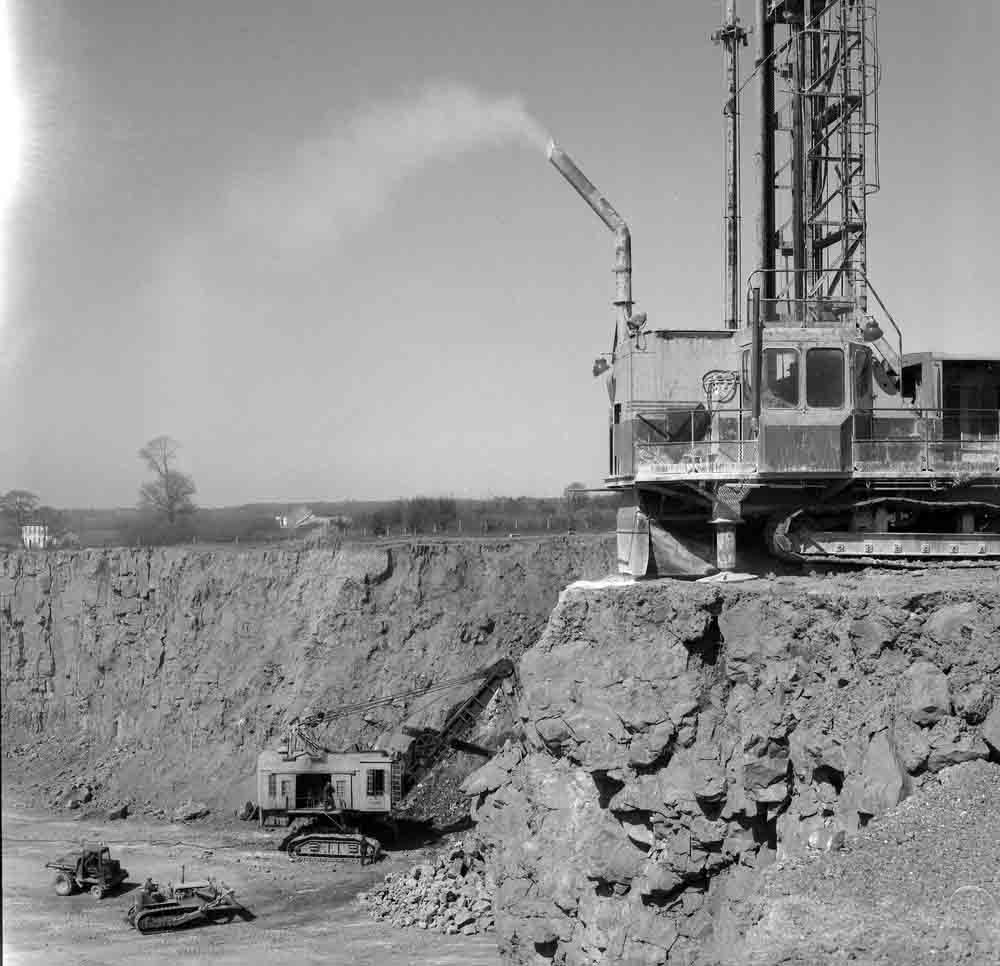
point(817, 161)
point(731, 36)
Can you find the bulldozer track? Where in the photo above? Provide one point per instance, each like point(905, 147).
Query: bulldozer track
point(162, 920)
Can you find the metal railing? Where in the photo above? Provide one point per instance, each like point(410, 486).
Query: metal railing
point(888, 442)
point(805, 307)
point(693, 441)
point(947, 440)
point(820, 308)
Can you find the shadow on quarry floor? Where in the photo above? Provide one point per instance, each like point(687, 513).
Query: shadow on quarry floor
point(418, 833)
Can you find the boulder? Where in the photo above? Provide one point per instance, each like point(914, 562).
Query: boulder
point(870, 636)
point(884, 778)
point(928, 699)
point(911, 745)
point(973, 701)
point(494, 773)
point(765, 762)
point(76, 796)
point(827, 839)
point(953, 749)
point(118, 813)
point(649, 746)
point(991, 728)
point(948, 624)
point(189, 811)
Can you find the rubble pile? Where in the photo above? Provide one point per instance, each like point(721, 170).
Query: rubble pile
point(452, 895)
point(679, 738)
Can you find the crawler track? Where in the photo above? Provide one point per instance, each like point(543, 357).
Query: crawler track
point(823, 534)
point(169, 917)
point(333, 846)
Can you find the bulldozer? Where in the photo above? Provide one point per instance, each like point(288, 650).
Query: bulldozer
point(797, 424)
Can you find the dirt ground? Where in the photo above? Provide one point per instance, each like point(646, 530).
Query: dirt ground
point(305, 912)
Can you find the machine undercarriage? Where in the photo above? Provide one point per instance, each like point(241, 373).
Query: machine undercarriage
point(673, 532)
point(327, 836)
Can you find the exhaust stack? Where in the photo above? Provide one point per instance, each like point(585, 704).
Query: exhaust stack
point(604, 210)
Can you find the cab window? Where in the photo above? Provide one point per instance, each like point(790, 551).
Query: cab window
point(862, 375)
point(781, 379)
point(375, 781)
point(825, 378)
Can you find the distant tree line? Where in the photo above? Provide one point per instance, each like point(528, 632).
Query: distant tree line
point(577, 509)
point(165, 514)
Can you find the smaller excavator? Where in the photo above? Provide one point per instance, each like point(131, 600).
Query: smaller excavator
point(321, 794)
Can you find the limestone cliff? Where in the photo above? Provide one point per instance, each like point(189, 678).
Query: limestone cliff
point(161, 673)
point(677, 737)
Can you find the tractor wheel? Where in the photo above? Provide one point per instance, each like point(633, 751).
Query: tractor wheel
point(65, 884)
point(97, 891)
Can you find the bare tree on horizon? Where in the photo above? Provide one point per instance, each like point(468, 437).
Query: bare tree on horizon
point(19, 506)
point(172, 491)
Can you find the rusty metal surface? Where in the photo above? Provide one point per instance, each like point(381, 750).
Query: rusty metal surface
point(801, 448)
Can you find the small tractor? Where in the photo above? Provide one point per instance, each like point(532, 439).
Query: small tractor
point(91, 868)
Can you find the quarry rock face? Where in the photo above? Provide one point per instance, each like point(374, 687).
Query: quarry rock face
point(158, 675)
point(679, 738)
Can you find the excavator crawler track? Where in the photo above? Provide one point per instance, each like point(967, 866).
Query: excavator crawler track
point(334, 846)
point(817, 534)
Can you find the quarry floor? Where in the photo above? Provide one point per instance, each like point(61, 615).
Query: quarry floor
point(305, 913)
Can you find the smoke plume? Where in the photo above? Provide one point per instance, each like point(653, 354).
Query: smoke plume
point(337, 183)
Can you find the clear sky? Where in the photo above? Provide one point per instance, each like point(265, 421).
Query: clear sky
point(317, 243)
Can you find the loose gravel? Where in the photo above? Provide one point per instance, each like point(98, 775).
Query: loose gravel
point(919, 886)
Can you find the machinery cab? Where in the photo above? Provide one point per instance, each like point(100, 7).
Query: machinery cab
point(812, 382)
point(681, 403)
point(357, 782)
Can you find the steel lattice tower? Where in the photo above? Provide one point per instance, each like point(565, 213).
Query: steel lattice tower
point(817, 157)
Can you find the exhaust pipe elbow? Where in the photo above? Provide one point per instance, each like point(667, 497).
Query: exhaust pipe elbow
point(604, 210)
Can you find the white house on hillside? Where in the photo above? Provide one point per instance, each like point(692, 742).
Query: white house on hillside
point(35, 536)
